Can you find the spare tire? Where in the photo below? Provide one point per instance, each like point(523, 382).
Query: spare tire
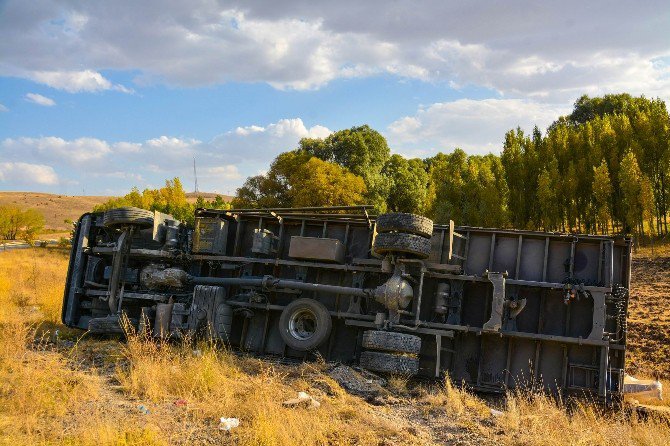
point(391, 341)
point(403, 222)
point(128, 216)
point(389, 363)
point(398, 242)
point(305, 324)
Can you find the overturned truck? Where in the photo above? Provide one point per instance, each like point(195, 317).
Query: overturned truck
point(496, 309)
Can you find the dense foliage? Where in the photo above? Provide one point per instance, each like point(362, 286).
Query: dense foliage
point(602, 168)
point(16, 223)
point(170, 199)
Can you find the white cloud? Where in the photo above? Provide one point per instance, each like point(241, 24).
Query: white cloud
point(40, 100)
point(76, 81)
point(221, 163)
point(548, 50)
point(3, 108)
point(475, 126)
point(78, 152)
point(226, 172)
point(25, 173)
point(262, 143)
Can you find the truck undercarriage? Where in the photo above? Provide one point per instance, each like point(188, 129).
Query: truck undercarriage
point(496, 309)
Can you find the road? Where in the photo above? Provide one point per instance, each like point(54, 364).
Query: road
point(6, 245)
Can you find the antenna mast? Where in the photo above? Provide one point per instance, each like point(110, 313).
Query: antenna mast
point(195, 175)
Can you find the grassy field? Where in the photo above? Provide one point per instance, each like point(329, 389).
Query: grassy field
point(58, 386)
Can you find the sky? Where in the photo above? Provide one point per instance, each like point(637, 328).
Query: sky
point(98, 97)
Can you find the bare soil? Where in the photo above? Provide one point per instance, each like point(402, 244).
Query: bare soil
point(648, 345)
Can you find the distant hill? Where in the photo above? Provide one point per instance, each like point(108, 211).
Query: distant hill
point(57, 208)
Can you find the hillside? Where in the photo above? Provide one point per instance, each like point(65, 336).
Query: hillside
point(57, 208)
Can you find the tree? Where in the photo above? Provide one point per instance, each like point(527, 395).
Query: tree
point(518, 160)
point(363, 151)
point(550, 212)
point(320, 183)
point(602, 195)
point(630, 182)
point(271, 190)
point(409, 181)
point(446, 184)
point(16, 223)
point(170, 199)
point(297, 178)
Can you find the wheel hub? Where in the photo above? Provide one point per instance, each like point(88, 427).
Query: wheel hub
point(302, 324)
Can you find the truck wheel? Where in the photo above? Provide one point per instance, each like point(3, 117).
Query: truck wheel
point(398, 242)
point(305, 324)
point(390, 341)
point(402, 222)
point(389, 363)
point(210, 316)
point(128, 216)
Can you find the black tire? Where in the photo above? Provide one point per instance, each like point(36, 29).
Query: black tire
point(210, 316)
point(105, 325)
point(398, 242)
point(390, 341)
point(389, 363)
point(402, 222)
point(305, 324)
point(128, 216)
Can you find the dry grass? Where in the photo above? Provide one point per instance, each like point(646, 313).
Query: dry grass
point(91, 394)
point(57, 208)
point(540, 420)
point(54, 396)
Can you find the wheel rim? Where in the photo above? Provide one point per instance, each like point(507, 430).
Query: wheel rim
point(302, 324)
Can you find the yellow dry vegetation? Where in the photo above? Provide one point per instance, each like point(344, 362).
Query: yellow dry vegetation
point(141, 392)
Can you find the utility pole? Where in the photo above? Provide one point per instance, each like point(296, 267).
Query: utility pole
point(195, 175)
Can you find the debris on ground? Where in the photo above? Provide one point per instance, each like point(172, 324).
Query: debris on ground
point(143, 409)
point(181, 403)
point(303, 400)
point(496, 413)
point(227, 424)
point(642, 389)
point(361, 383)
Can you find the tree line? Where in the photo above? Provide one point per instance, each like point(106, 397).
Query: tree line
point(602, 168)
point(170, 199)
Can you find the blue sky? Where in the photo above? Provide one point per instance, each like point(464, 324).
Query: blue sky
point(98, 97)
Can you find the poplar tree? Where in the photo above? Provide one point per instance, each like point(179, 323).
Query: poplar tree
point(602, 196)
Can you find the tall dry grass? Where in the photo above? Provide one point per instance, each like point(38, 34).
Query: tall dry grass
point(91, 394)
point(218, 384)
point(536, 419)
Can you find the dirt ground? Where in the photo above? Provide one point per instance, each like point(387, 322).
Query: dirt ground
point(649, 317)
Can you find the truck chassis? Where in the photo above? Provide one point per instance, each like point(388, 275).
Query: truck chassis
point(497, 309)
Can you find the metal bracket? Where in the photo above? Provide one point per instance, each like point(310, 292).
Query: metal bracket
point(598, 326)
point(498, 303)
